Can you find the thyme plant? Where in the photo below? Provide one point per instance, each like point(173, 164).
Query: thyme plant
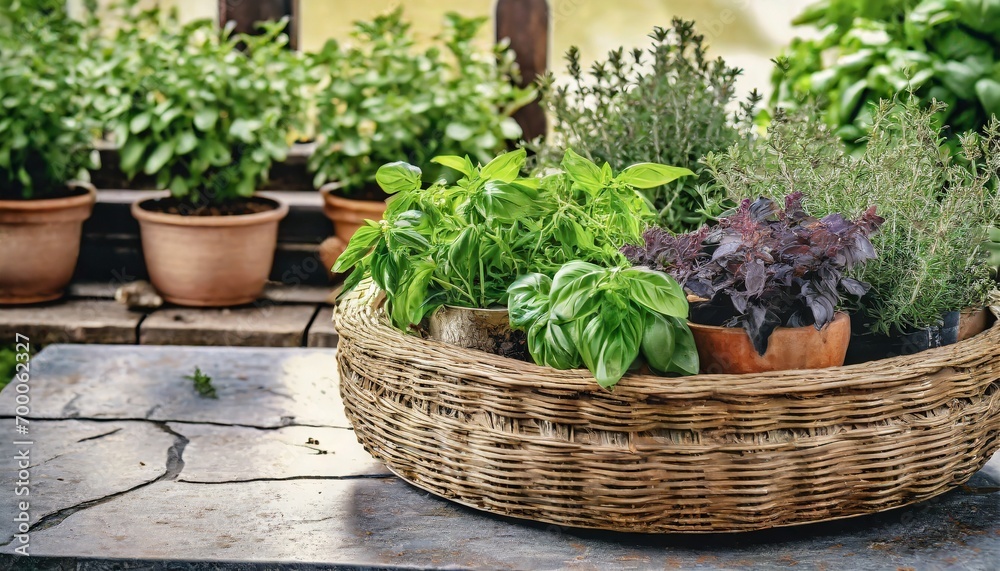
point(937, 207)
point(668, 104)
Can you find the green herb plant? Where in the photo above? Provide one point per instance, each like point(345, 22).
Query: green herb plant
point(604, 318)
point(948, 50)
point(464, 243)
point(384, 99)
point(202, 117)
point(936, 208)
point(46, 118)
point(668, 104)
point(202, 384)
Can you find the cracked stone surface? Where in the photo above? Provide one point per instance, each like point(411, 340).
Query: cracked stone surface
point(75, 462)
point(377, 523)
point(228, 454)
point(130, 469)
point(262, 387)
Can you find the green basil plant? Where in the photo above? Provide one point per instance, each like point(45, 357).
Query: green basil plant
point(604, 318)
point(465, 243)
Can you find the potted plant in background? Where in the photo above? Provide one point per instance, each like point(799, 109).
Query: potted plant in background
point(45, 149)
point(669, 104)
point(206, 120)
point(865, 51)
point(462, 246)
point(385, 100)
point(931, 263)
point(770, 283)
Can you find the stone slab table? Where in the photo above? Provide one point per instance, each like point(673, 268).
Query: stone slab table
point(131, 469)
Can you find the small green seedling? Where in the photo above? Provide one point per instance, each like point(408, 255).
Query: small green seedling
point(202, 384)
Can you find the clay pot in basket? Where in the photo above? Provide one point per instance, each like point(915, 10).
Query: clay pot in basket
point(483, 329)
point(348, 214)
point(40, 244)
point(729, 350)
point(209, 261)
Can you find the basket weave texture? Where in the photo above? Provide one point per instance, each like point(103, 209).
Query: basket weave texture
point(707, 453)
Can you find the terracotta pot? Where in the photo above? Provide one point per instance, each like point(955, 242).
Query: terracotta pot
point(40, 242)
point(972, 322)
point(348, 214)
point(728, 350)
point(209, 261)
point(483, 329)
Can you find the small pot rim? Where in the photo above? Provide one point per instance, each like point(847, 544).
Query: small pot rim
point(837, 316)
point(142, 215)
point(48, 204)
point(354, 203)
point(496, 309)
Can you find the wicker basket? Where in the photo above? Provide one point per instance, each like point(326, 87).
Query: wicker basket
point(698, 454)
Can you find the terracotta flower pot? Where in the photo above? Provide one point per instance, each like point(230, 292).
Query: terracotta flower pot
point(728, 350)
point(972, 322)
point(483, 329)
point(40, 242)
point(348, 214)
point(209, 261)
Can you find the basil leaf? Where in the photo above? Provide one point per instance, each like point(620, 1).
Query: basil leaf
point(609, 343)
point(658, 342)
point(359, 246)
point(551, 344)
point(461, 164)
point(656, 291)
point(651, 175)
point(573, 289)
point(685, 358)
point(398, 177)
point(505, 167)
point(528, 300)
point(582, 171)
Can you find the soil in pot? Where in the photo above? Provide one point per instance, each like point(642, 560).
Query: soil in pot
point(729, 350)
point(41, 244)
point(867, 346)
point(209, 256)
point(349, 212)
point(483, 329)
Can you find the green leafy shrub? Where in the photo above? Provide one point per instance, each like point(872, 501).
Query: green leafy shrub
point(946, 50)
point(46, 123)
point(936, 209)
point(201, 116)
point(384, 100)
point(665, 105)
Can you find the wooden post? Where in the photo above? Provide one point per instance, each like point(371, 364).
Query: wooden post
point(246, 14)
point(526, 24)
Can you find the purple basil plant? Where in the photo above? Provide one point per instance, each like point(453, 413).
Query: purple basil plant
point(764, 267)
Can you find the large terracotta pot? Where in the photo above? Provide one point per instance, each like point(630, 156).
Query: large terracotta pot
point(728, 350)
point(209, 261)
point(40, 244)
point(348, 214)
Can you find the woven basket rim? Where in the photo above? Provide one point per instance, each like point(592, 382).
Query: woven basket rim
point(367, 299)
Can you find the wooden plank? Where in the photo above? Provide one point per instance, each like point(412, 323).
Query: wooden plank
point(526, 24)
point(74, 321)
point(265, 324)
point(248, 14)
point(321, 332)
